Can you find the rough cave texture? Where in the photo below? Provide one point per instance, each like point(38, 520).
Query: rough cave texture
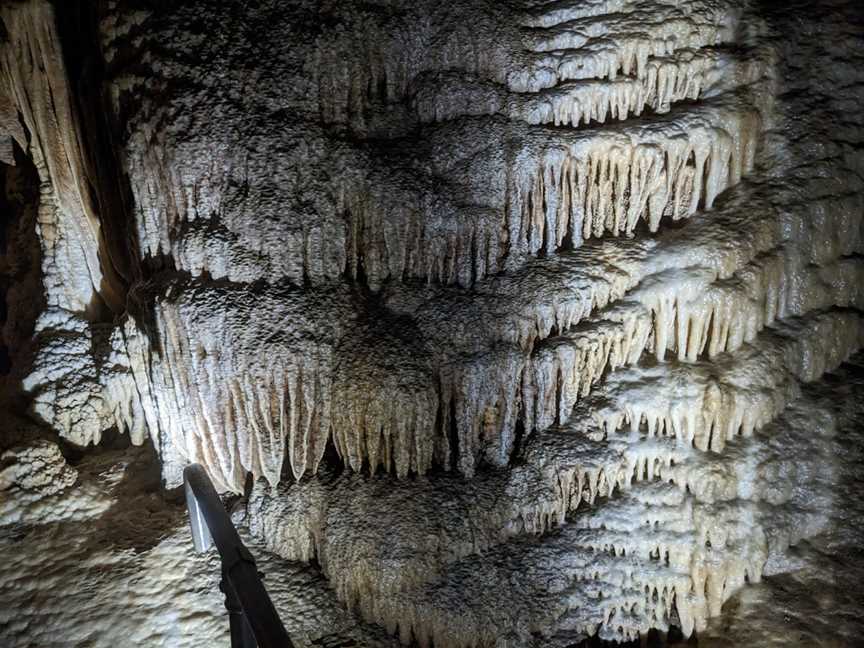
point(510, 320)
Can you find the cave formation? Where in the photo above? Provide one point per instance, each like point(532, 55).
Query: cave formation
point(522, 323)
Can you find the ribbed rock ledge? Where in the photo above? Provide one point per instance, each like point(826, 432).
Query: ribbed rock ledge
point(511, 319)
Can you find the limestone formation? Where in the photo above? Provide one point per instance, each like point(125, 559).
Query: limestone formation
point(511, 317)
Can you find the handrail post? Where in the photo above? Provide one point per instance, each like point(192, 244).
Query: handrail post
point(254, 621)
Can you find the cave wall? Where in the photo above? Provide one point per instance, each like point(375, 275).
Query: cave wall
point(537, 281)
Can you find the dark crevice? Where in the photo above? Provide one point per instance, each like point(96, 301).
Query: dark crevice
point(518, 440)
point(453, 436)
point(332, 464)
point(119, 254)
point(21, 292)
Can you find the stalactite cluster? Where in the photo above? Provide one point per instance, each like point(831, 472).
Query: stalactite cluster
point(512, 311)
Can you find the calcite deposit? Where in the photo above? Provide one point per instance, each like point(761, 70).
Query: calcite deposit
point(510, 320)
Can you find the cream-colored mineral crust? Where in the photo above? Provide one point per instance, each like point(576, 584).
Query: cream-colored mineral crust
point(515, 321)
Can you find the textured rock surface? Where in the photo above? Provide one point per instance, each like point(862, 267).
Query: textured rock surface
point(516, 313)
point(65, 561)
point(810, 596)
point(106, 560)
point(394, 169)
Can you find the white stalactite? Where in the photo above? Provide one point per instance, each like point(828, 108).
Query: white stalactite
point(551, 282)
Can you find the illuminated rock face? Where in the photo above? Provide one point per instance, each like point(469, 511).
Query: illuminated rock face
point(547, 277)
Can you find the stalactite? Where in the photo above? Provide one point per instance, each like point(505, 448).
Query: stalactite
point(510, 312)
point(77, 262)
point(689, 311)
point(621, 569)
point(650, 425)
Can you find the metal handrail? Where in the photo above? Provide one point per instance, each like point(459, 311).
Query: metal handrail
point(254, 621)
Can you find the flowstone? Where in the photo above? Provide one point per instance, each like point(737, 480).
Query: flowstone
point(511, 319)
